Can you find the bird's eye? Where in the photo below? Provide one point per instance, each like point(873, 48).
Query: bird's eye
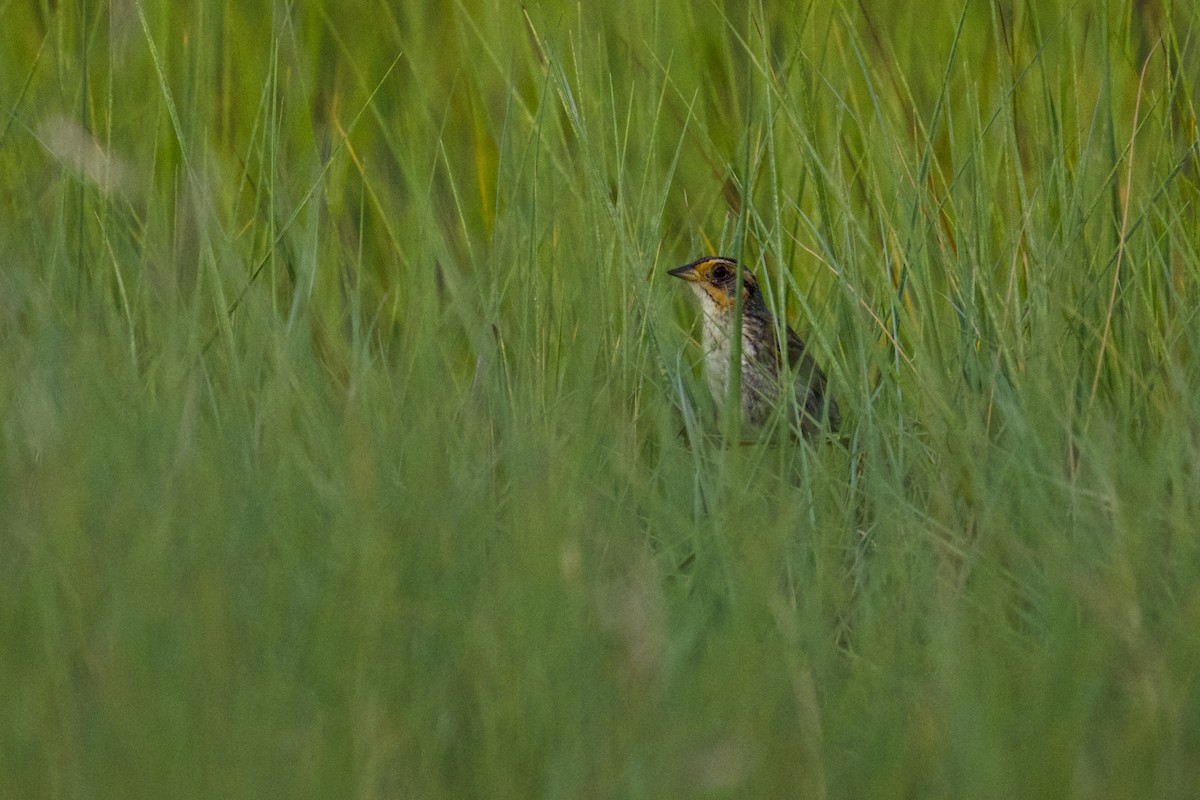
point(721, 273)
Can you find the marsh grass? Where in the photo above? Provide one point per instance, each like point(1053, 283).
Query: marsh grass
point(354, 442)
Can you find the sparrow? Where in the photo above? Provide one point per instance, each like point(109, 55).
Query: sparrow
point(775, 374)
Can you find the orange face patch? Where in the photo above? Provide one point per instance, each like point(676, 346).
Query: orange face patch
point(723, 298)
point(716, 277)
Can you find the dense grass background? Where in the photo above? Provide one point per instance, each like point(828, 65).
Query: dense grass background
point(354, 445)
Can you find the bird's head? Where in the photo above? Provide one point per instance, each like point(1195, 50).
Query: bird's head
point(714, 278)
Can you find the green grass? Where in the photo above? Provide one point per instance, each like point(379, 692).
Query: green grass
point(353, 441)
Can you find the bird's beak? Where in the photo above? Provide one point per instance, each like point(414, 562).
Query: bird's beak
point(687, 272)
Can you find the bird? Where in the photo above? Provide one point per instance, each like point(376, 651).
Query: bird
point(769, 371)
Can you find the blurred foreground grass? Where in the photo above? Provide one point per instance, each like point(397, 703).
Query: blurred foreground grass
point(353, 442)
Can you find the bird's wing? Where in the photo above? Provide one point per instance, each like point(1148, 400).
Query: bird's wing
point(812, 393)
